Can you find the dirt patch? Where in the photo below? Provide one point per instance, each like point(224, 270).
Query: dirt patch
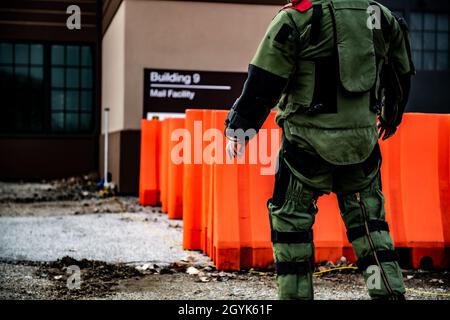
point(73, 188)
point(96, 277)
point(70, 207)
point(74, 196)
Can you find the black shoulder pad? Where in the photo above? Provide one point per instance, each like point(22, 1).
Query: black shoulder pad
point(284, 33)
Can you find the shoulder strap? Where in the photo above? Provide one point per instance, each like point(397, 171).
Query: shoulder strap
point(315, 24)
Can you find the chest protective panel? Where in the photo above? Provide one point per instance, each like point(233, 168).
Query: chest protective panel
point(354, 45)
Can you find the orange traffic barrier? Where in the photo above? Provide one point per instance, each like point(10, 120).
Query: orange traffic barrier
point(225, 203)
point(415, 179)
point(149, 190)
point(175, 170)
point(444, 181)
point(257, 251)
point(241, 236)
point(423, 164)
point(209, 200)
point(233, 223)
point(192, 181)
point(392, 186)
point(206, 189)
point(164, 162)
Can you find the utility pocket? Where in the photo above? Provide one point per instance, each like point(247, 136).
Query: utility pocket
point(301, 88)
point(354, 42)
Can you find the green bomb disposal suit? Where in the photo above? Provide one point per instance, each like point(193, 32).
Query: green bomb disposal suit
point(322, 65)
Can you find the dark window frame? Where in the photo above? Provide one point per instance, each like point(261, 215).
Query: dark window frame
point(14, 86)
point(79, 89)
point(436, 32)
point(46, 124)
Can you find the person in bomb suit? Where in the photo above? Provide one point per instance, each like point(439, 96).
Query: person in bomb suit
point(339, 73)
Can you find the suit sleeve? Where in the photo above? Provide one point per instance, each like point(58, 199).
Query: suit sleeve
point(399, 47)
point(268, 74)
point(399, 56)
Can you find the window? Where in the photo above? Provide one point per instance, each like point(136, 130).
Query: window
point(22, 87)
point(71, 88)
point(429, 41)
point(46, 88)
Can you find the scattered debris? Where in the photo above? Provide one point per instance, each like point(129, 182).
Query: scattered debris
point(145, 267)
point(437, 281)
point(260, 273)
point(192, 271)
point(165, 270)
point(342, 262)
point(204, 279)
point(74, 188)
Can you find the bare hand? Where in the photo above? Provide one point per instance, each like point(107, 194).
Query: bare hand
point(385, 131)
point(235, 148)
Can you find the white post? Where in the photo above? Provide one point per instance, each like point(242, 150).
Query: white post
point(105, 174)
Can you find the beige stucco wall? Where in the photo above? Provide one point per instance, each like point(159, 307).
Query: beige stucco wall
point(113, 71)
point(174, 35)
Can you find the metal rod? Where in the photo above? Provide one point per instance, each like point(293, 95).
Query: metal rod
point(105, 174)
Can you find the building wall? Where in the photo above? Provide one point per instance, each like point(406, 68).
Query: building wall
point(46, 158)
point(47, 154)
point(187, 35)
point(167, 34)
point(113, 71)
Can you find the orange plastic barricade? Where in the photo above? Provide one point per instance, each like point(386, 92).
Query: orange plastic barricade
point(206, 215)
point(241, 235)
point(415, 175)
point(210, 192)
point(234, 224)
point(423, 167)
point(192, 181)
point(175, 170)
point(149, 194)
point(163, 173)
point(415, 181)
point(392, 186)
point(257, 251)
point(225, 202)
point(444, 181)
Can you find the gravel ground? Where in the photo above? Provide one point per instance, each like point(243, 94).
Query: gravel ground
point(124, 237)
point(125, 251)
point(19, 281)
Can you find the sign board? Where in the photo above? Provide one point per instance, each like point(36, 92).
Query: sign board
point(178, 90)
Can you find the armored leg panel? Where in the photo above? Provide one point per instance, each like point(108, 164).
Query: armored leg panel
point(364, 216)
